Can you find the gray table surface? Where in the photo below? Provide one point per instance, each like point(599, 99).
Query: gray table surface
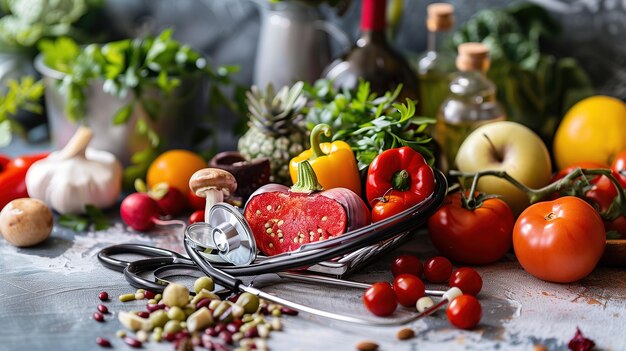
point(49, 292)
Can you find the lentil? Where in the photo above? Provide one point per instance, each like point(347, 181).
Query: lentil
point(367, 346)
point(103, 296)
point(102, 308)
point(127, 297)
point(103, 342)
point(98, 316)
point(405, 334)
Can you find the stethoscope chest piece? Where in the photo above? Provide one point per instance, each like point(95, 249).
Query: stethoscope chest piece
point(228, 233)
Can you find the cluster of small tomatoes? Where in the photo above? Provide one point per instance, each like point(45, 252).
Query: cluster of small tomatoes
point(408, 289)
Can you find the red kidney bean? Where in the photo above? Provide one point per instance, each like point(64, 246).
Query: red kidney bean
point(207, 342)
point(202, 303)
point(288, 311)
point(182, 335)
point(251, 333)
point(98, 316)
point(132, 342)
point(154, 307)
point(102, 308)
point(210, 331)
point(196, 341)
point(103, 296)
point(220, 347)
point(149, 294)
point(169, 336)
point(226, 337)
point(232, 328)
point(234, 298)
point(143, 314)
point(238, 322)
point(264, 311)
point(220, 327)
point(103, 342)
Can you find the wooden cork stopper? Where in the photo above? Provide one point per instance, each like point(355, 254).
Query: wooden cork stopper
point(440, 17)
point(473, 57)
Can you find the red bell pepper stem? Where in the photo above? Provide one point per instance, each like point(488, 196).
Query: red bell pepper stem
point(401, 180)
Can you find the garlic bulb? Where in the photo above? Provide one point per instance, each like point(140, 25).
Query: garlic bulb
point(76, 176)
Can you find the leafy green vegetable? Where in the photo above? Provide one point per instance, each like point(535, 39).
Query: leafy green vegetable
point(22, 95)
point(537, 89)
point(81, 222)
point(369, 124)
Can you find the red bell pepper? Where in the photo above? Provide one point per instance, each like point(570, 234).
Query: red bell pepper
point(13, 175)
point(403, 173)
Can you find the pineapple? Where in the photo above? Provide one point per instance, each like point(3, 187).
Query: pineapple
point(276, 128)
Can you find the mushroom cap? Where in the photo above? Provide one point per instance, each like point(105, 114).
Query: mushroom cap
point(212, 178)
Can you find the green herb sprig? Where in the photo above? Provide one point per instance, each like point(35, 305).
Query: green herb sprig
point(368, 123)
point(21, 95)
point(81, 222)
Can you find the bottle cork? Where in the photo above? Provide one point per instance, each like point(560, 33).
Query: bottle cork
point(440, 17)
point(473, 57)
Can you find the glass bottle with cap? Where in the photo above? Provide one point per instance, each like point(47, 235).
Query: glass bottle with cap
point(435, 66)
point(471, 102)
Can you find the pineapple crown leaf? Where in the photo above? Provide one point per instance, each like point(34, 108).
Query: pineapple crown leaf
point(271, 105)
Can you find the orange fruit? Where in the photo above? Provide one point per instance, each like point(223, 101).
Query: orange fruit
point(175, 167)
point(593, 130)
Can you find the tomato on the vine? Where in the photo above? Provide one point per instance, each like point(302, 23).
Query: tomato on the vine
point(559, 241)
point(468, 280)
point(437, 269)
point(408, 289)
point(618, 165)
point(473, 236)
point(380, 299)
point(464, 312)
point(407, 264)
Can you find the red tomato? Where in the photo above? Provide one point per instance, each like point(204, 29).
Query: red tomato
point(618, 165)
point(197, 216)
point(468, 280)
point(407, 264)
point(389, 206)
point(478, 236)
point(196, 202)
point(380, 299)
point(408, 289)
point(559, 241)
point(464, 312)
point(438, 269)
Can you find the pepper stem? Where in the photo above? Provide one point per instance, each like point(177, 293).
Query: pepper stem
point(315, 139)
point(307, 180)
point(401, 180)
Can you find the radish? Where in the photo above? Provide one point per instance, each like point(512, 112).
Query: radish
point(172, 203)
point(141, 212)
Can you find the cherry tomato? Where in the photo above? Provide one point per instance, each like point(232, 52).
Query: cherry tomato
point(478, 236)
point(407, 264)
point(437, 270)
point(388, 206)
point(618, 165)
point(175, 167)
point(408, 289)
point(464, 312)
point(559, 241)
point(196, 216)
point(380, 299)
point(468, 280)
point(196, 202)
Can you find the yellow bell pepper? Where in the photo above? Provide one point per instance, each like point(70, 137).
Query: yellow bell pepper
point(334, 163)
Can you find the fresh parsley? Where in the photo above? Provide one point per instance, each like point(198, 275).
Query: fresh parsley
point(82, 222)
point(21, 95)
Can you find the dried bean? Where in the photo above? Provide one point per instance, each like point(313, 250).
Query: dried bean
point(203, 283)
point(251, 332)
point(149, 294)
point(158, 297)
point(210, 331)
point(203, 303)
point(98, 316)
point(169, 336)
point(151, 308)
point(120, 333)
point(142, 335)
point(139, 296)
point(103, 342)
point(405, 334)
point(127, 297)
point(367, 346)
point(132, 342)
point(143, 314)
point(288, 311)
point(102, 308)
point(226, 337)
point(103, 296)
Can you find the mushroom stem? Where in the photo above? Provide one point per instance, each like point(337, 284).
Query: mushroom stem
point(213, 196)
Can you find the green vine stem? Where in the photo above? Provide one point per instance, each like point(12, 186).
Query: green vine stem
point(616, 209)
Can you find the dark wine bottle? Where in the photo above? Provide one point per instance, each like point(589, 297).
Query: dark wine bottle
point(373, 59)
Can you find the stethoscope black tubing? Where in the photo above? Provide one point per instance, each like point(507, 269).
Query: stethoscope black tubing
point(378, 233)
point(106, 255)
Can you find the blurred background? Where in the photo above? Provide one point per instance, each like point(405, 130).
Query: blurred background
point(227, 31)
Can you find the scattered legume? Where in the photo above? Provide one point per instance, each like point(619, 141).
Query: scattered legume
point(98, 316)
point(102, 308)
point(149, 294)
point(168, 336)
point(226, 337)
point(158, 297)
point(277, 324)
point(367, 346)
point(103, 296)
point(203, 303)
point(139, 296)
point(120, 333)
point(172, 327)
point(405, 334)
point(142, 336)
point(276, 313)
point(251, 332)
point(263, 331)
point(143, 314)
point(249, 302)
point(155, 307)
point(203, 283)
point(176, 313)
point(132, 342)
point(424, 303)
point(288, 311)
point(152, 302)
point(103, 342)
point(127, 297)
point(175, 295)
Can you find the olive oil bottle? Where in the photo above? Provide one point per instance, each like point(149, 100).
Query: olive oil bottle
point(471, 102)
point(436, 66)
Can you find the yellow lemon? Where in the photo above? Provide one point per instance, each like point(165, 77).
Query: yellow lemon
point(593, 130)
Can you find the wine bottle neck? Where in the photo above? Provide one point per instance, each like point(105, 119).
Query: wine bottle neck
point(436, 40)
point(373, 15)
point(372, 36)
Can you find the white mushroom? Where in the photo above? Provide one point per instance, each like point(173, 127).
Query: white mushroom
point(213, 184)
point(26, 222)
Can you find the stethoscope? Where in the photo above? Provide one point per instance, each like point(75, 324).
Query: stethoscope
point(224, 249)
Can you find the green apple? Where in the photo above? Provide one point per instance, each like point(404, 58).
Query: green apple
point(511, 147)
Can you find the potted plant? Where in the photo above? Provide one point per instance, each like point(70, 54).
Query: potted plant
point(136, 94)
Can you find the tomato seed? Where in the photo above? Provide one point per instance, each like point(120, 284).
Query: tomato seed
point(98, 316)
point(103, 296)
point(103, 309)
point(103, 342)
